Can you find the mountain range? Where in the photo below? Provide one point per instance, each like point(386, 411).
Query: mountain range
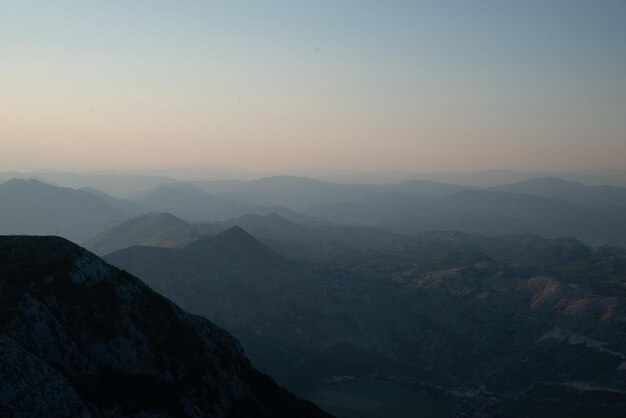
point(311, 241)
point(511, 326)
point(549, 207)
point(482, 211)
point(478, 302)
point(33, 207)
point(570, 191)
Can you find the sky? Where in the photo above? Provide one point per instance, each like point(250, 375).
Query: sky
point(345, 85)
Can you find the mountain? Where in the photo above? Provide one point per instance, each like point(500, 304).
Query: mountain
point(294, 192)
point(125, 205)
point(571, 191)
point(424, 188)
point(113, 184)
point(299, 193)
point(188, 201)
point(493, 178)
point(239, 283)
point(515, 326)
point(311, 240)
point(483, 212)
point(233, 247)
point(156, 229)
point(33, 207)
point(546, 216)
point(81, 338)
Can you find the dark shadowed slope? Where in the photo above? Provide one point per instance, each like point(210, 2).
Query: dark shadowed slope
point(81, 338)
point(36, 208)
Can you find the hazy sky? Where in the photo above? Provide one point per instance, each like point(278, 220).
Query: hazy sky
point(354, 85)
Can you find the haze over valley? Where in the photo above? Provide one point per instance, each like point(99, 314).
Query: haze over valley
point(347, 293)
point(353, 209)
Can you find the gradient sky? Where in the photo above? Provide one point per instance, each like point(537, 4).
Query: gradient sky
point(353, 85)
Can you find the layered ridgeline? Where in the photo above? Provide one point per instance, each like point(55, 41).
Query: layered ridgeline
point(36, 208)
point(81, 338)
point(548, 207)
point(510, 326)
point(155, 229)
point(32, 207)
point(545, 206)
point(571, 191)
point(188, 201)
point(312, 240)
point(482, 211)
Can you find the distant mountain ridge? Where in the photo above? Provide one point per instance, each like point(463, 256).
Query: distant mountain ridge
point(158, 230)
point(571, 191)
point(299, 193)
point(118, 185)
point(313, 241)
point(188, 201)
point(485, 212)
point(33, 207)
point(547, 207)
point(123, 184)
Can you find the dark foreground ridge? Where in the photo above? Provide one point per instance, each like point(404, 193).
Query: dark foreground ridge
point(81, 338)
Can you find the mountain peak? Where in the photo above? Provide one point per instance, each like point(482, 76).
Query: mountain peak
point(236, 233)
point(161, 218)
point(154, 229)
point(235, 244)
point(234, 239)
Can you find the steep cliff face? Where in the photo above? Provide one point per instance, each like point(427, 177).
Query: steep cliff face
point(81, 338)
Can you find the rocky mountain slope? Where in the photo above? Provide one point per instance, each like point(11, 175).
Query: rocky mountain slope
point(81, 338)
